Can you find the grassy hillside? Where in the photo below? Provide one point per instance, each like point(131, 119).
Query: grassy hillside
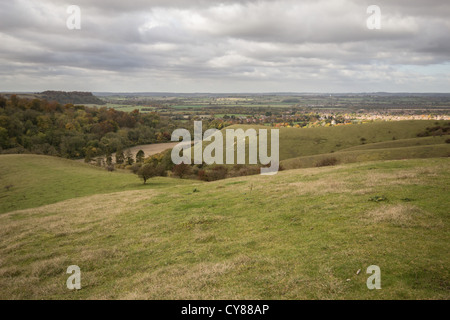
point(414, 142)
point(304, 148)
point(296, 142)
point(300, 234)
point(371, 153)
point(39, 180)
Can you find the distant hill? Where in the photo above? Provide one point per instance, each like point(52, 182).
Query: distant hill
point(295, 143)
point(75, 97)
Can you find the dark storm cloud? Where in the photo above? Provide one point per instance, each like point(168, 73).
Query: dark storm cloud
point(225, 46)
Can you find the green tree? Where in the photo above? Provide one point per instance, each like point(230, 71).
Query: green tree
point(120, 157)
point(129, 157)
point(88, 157)
point(147, 172)
point(140, 156)
point(108, 159)
point(4, 140)
point(2, 102)
point(14, 100)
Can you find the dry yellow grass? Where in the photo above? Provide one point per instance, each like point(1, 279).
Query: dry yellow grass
point(403, 215)
point(73, 223)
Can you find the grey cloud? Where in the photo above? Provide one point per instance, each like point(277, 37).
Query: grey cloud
point(220, 45)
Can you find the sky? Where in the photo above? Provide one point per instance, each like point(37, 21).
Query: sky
point(225, 46)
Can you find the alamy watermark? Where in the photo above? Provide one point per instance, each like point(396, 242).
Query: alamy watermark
point(213, 153)
point(74, 281)
point(374, 281)
point(374, 21)
point(73, 22)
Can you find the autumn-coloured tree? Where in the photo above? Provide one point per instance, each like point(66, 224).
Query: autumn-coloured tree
point(181, 170)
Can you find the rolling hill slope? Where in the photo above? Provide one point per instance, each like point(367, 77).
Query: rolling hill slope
point(304, 148)
point(296, 142)
point(414, 142)
point(300, 234)
point(370, 154)
point(40, 180)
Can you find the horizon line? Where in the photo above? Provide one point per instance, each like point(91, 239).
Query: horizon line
point(249, 92)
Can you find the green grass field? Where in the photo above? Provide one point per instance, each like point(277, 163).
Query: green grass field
point(190, 106)
point(303, 148)
point(121, 107)
point(302, 234)
point(414, 142)
point(371, 154)
point(231, 114)
point(37, 181)
point(295, 142)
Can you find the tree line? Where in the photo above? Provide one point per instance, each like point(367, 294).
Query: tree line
point(161, 165)
point(47, 127)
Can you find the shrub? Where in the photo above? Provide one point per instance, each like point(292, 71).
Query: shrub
point(218, 173)
point(249, 171)
point(201, 174)
point(161, 170)
point(108, 159)
point(213, 173)
point(181, 170)
point(330, 161)
point(129, 158)
point(434, 131)
point(163, 159)
point(120, 157)
point(135, 168)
